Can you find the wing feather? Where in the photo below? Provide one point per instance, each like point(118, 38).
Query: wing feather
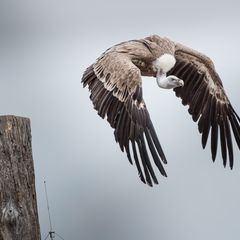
point(236, 130)
point(116, 92)
point(208, 103)
point(135, 155)
point(223, 143)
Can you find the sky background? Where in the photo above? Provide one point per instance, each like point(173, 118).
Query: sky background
point(94, 193)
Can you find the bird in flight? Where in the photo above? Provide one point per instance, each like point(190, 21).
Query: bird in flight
point(115, 83)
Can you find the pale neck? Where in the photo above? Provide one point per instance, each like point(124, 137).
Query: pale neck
point(162, 80)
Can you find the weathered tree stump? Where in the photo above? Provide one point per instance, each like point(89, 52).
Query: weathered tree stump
point(18, 204)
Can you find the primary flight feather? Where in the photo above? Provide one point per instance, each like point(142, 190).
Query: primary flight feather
point(115, 83)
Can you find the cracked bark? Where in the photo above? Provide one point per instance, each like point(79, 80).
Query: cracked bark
point(18, 204)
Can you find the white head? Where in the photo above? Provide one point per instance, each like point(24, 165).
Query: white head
point(163, 64)
point(169, 82)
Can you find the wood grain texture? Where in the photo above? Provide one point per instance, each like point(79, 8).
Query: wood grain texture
point(18, 204)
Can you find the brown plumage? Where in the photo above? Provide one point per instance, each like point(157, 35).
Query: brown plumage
point(114, 81)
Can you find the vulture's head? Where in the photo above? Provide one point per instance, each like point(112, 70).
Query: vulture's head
point(164, 64)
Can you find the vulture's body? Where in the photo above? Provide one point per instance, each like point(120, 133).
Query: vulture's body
point(116, 92)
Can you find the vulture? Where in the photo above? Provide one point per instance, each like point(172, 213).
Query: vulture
point(115, 85)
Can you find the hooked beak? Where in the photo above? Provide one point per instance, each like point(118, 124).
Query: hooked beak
point(181, 82)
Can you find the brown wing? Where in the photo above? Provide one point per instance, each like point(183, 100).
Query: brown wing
point(208, 103)
point(116, 93)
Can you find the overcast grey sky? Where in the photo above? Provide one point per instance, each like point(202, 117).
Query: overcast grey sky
point(94, 192)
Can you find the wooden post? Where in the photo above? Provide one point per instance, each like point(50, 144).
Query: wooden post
point(18, 203)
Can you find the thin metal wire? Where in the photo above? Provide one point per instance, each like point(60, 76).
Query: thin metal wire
point(49, 216)
point(46, 237)
point(50, 233)
point(59, 236)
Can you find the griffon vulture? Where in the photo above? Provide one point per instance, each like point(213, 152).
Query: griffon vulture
point(115, 83)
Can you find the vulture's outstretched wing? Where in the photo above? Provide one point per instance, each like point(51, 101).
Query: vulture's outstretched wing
point(116, 92)
point(208, 103)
